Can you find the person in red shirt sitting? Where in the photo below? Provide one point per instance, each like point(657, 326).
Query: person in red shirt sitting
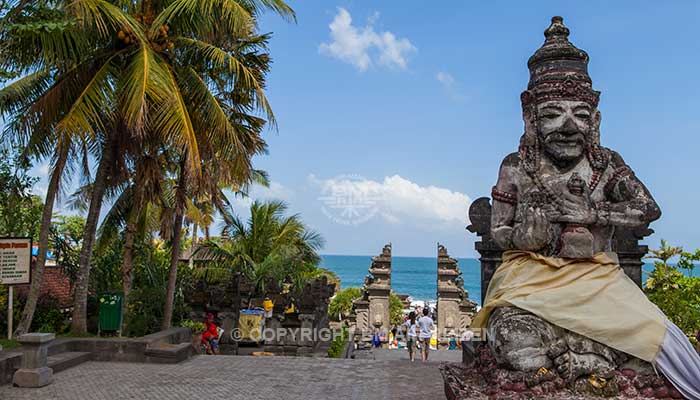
point(210, 336)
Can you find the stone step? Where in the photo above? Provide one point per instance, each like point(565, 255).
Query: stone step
point(63, 361)
point(168, 353)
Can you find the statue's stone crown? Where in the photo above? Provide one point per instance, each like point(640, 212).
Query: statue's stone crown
point(559, 70)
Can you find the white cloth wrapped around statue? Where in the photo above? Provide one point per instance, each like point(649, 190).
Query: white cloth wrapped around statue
point(596, 299)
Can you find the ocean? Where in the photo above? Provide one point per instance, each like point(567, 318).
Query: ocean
point(415, 276)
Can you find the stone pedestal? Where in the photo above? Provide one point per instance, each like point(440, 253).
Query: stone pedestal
point(34, 372)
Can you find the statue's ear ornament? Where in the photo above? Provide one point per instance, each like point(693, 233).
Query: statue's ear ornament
point(526, 98)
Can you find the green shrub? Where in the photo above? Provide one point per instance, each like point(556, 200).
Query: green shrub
point(146, 311)
point(195, 326)
point(48, 317)
point(338, 344)
point(675, 293)
point(395, 309)
point(341, 304)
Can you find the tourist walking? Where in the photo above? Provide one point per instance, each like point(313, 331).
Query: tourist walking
point(376, 339)
point(411, 335)
point(425, 326)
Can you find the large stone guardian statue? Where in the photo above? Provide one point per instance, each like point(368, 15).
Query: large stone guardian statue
point(559, 300)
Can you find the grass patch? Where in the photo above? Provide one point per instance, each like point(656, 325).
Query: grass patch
point(9, 344)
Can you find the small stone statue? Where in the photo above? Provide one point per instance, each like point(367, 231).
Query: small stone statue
point(562, 194)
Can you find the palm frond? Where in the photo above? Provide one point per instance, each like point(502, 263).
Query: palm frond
point(173, 121)
point(93, 107)
point(105, 18)
point(218, 59)
point(203, 16)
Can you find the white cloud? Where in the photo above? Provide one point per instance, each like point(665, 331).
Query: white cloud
point(362, 47)
point(398, 200)
point(276, 191)
point(449, 84)
point(446, 79)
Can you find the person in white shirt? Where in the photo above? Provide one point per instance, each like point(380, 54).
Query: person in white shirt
point(425, 326)
point(411, 335)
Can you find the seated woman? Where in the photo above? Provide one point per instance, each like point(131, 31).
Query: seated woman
point(210, 336)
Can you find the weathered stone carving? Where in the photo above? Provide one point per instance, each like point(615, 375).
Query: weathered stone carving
point(372, 309)
point(562, 194)
point(454, 309)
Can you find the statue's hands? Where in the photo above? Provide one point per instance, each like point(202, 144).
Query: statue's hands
point(534, 231)
point(576, 210)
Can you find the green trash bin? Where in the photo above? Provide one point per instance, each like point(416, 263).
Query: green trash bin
point(110, 312)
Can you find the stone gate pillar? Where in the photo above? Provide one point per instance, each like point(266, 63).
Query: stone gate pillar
point(490, 253)
point(379, 289)
point(372, 309)
point(454, 309)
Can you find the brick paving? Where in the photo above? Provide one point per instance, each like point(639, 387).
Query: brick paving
point(232, 377)
point(402, 355)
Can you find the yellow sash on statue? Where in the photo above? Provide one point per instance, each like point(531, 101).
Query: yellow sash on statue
point(592, 297)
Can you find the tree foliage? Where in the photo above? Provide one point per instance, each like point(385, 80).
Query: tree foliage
point(395, 309)
point(20, 210)
point(675, 293)
point(120, 82)
point(341, 304)
point(269, 245)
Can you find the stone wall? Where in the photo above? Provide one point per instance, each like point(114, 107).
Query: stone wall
point(311, 313)
point(169, 346)
point(303, 330)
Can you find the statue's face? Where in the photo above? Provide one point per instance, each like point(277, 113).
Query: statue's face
point(563, 128)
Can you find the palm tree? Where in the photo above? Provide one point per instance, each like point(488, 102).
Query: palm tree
point(135, 210)
point(269, 245)
point(50, 81)
point(134, 67)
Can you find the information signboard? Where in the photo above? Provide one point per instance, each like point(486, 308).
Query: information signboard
point(15, 260)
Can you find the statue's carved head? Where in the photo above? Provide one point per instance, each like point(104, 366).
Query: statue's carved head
point(559, 106)
point(564, 127)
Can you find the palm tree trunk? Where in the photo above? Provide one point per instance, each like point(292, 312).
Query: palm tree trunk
point(236, 310)
point(40, 264)
point(79, 325)
point(175, 246)
point(128, 263)
point(206, 232)
point(195, 227)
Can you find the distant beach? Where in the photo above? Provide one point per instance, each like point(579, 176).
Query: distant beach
point(414, 276)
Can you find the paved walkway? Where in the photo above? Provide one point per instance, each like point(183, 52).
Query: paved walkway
point(402, 355)
point(231, 377)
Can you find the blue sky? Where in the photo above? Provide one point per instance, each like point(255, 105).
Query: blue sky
point(416, 106)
